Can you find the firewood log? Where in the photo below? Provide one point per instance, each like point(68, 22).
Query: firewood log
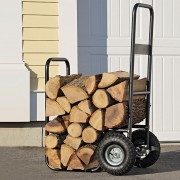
point(53, 141)
point(57, 125)
point(112, 78)
point(64, 103)
point(75, 129)
point(54, 158)
point(117, 115)
point(75, 163)
point(93, 162)
point(120, 92)
point(76, 115)
point(97, 119)
point(101, 99)
point(53, 85)
point(89, 135)
point(53, 108)
point(66, 153)
point(92, 82)
point(85, 153)
point(87, 106)
point(75, 143)
point(75, 90)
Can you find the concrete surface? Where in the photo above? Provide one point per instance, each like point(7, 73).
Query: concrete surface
point(22, 134)
point(27, 163)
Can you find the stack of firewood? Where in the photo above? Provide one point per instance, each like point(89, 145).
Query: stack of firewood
point(85, 106)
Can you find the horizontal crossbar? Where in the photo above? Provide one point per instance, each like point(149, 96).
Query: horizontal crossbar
point(142, 49)
point(141, 93)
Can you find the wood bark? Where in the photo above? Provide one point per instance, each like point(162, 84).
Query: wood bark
point(92, 82)
point(53, 108)
point(53, 141)
point(117, 115)
point(75, 143)
point(120, 92)
point(75, 130)
point(66, 153)
point(54, 158)
point(89, 135)
point(93, 162)
point(75, 163)
point(53, 85)
point(87, 106)
point(112, 78)
point(97, 119)
point(75, 90)
point(76, 115)
point(101, 99)
point(64, 103)
point(85, 153)
point(57, 126)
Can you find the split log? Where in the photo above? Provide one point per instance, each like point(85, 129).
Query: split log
point(112, 78)
point(87, 106)
point(101, 99)
point(66, 153)
point(65, 118)
point(64, 103)
point(76, 115)
point(75, 90)
point(93, 162)
point(117, 115)
point(75, 130)
point(85, 153)
point(57, 126)
point(54, 158)
point(120, 92)
point(89, 135)
point(75, 163)
point(75, 143)
point(97, 119)
point(53, 141)
point(53, 108)
point(53, 85)
point(92, 82)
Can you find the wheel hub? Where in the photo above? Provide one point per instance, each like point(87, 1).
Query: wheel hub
point(114, 155)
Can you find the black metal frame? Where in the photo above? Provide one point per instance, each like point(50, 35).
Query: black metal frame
point(140, 49)
point(46, 79)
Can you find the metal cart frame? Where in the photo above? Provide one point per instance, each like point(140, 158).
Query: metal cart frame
point(136, 49)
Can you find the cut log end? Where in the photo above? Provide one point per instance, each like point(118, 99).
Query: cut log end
point(76, 115)
point(87, 106)
point(57, 126)
point(75, 130)
point(54, 158)
point(75, 143)
point(89, 135)
point(75, 163)
point(101, 99)
point(97, 120)
point(66, 153)
point(64, 103)
point(53, 108)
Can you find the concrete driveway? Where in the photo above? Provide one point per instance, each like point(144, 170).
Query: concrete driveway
point(27, 163)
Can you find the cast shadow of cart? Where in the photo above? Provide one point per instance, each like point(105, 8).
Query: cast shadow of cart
point(168, 162)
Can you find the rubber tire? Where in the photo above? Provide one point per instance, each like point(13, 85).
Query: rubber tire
point(153, 156)
point(126, 145)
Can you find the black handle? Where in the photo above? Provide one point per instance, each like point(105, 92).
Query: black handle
point(59, 60)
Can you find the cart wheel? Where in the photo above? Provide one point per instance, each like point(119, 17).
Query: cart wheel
point(116, 154)
point(144, 157)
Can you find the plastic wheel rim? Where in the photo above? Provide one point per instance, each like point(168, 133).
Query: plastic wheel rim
point(114, 155)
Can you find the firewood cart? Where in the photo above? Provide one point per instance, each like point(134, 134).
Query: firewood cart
point(120, 149)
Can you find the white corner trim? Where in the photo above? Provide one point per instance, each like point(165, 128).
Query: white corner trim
point(68, 32)
point(14, 76)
